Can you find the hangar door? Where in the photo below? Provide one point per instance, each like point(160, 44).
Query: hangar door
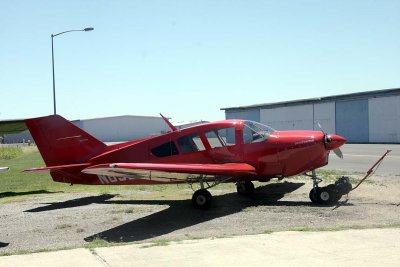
point(384, 119)
point(298, 117)
point(352, 120)
point(324, 114)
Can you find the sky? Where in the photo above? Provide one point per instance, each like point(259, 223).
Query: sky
point(188, 59)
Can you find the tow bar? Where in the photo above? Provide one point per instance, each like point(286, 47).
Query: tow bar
point(371, 170)
point(343, 186)
point(332, 193)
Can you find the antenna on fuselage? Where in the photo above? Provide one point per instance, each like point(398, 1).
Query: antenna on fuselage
point(173, 128)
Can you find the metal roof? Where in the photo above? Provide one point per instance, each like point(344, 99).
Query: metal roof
point(353, 96)
point(121, 116)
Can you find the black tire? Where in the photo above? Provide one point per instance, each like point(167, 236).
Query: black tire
point(313, 195)
point(202, 199)
point(245, 188)
point(326, 195)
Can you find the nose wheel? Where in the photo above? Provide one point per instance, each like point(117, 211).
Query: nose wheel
point(323, 195)
point(330, 194)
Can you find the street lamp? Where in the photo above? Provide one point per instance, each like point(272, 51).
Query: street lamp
point(52, 59)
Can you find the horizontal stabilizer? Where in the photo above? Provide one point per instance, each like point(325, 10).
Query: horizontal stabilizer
point(61, 167)
point(3, 169)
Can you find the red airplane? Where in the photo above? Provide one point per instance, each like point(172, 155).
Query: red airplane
point(238, 151)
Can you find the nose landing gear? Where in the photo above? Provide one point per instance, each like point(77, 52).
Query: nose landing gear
point(330, 194)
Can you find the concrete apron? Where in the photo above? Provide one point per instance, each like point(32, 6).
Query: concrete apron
point(371, 247)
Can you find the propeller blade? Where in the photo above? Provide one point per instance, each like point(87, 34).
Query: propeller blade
point(338, 152)
point(320, 127)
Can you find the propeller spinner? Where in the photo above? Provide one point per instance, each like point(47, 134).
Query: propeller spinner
point(333, 142)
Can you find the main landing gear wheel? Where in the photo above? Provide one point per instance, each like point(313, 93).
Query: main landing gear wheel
point(202, 199)
point(245, 188)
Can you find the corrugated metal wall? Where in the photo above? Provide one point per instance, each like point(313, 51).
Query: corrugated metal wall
point(124, 128)
point(247, 114)
point(288, 118)
point(352, 120)
point(384, 119)
point(372, 120)
point(324, 114)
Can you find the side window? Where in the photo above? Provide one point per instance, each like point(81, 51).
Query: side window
point(247, 135)
point(165, 150)
point(190, 143)
point(222, 137)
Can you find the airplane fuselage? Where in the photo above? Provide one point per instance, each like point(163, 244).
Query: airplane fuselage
point(272, 153)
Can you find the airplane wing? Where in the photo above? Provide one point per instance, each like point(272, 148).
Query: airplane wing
point(12, 126)
point(170, 172)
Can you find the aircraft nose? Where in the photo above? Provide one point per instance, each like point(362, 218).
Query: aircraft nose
point(334, 141)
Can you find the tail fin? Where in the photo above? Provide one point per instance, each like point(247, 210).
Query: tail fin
point(60, 142)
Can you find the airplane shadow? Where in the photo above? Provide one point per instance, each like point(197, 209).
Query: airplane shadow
point(37, 192)
point(181, 215)
point(84, 201)
point(3, 245)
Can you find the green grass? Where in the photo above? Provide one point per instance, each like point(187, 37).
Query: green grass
point(342, 228)
point(7, 153)
point(98, 242)
point(157, 243)
point(16, 184)
point(64, 226)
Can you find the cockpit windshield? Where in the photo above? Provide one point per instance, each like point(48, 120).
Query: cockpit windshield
point(255, 132)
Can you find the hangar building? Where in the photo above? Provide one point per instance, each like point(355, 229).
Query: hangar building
point(123, 128)
point(365, 117)
point(110, 129)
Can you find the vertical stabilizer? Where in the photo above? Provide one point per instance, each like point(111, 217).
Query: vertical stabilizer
point(60, 142)
point(173, 128)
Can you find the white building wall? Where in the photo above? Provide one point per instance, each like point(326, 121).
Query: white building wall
point(288, 118)
point(324, 114)
point(384, 119)
point(183, 125)
point(124, 128)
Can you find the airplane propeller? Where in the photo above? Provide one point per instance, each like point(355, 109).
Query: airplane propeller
point(327, 139)
point(338, 153)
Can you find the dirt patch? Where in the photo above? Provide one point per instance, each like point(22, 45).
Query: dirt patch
point(68, 220)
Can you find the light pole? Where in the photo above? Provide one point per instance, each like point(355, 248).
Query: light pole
point(52, 60)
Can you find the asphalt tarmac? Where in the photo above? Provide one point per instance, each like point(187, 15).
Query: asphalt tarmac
point(361, 157)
